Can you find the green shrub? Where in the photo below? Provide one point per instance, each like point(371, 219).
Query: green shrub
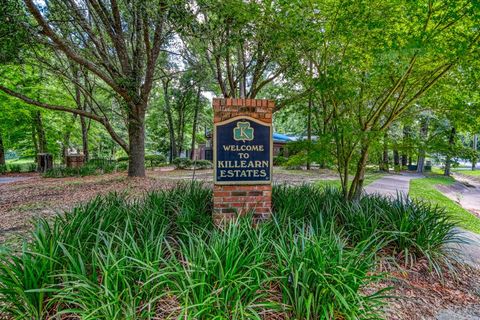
point(16, 168)
point(32, 167)
point(155, 160)
point(202, 164)
point(122, 166)
point(182, 163)
point(280, 161)
point(3, 169)
point(88, 169)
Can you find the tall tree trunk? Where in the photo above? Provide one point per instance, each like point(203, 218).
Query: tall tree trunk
point(42, 141)
point(404, 156)
point(2, 150)
point(65, 144)
point(34, 138)
point(242, 82)
point(385, 159)
point(421, 152)
point(171, 129)
point(86, 152)
point(396, 158)
point(448, 159)
point(195, 121)
point(309, 129)
point(181, 129)
point(136, 145)
point(475, 143)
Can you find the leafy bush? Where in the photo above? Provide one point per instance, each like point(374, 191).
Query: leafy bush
point(202, 164)
point(16, 168)
point(151, 160)
point(32, 167)
point(279, 160)
point(3, 169)
point(122, 166)
point(182, 163)
point(185, 163)
point(88, 169)
point(155, 160)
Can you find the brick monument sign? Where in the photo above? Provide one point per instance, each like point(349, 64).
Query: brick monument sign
point(242, 158)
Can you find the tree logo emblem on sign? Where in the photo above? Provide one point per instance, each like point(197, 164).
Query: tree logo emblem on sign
point(243, 132)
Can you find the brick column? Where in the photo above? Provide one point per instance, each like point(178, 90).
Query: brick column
point(233, 200)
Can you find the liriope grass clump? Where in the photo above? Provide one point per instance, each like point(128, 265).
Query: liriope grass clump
point(321, 275)
point(162, 257)
point(406, 229)
point(96, 260)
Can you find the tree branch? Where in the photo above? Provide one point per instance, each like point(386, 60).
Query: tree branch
point(103, 121)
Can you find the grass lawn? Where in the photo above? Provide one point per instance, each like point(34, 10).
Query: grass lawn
point(20, 161)
point(425, 189)
point(475, 173)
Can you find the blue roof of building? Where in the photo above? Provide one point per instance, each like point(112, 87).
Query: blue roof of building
point(278, 137)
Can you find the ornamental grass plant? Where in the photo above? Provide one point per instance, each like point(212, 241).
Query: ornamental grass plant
point(161, 257)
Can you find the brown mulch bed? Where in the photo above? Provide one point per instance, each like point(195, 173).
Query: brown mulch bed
point(420, 293)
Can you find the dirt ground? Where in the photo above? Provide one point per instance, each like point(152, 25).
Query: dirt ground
point(33, 196)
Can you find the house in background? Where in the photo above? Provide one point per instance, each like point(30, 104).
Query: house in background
point(279, 143)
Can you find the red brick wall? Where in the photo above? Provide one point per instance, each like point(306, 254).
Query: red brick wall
point(232, 200)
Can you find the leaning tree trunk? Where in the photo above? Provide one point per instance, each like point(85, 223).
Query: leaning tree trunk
point(2, 150)
point(136, 144)
point(195, 121)
point(356, 188)
point(448, 160)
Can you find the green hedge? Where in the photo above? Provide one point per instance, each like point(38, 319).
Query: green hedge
point(185, 163)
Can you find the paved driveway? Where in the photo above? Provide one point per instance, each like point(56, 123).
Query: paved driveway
point(12, 179)
point(392, 184)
